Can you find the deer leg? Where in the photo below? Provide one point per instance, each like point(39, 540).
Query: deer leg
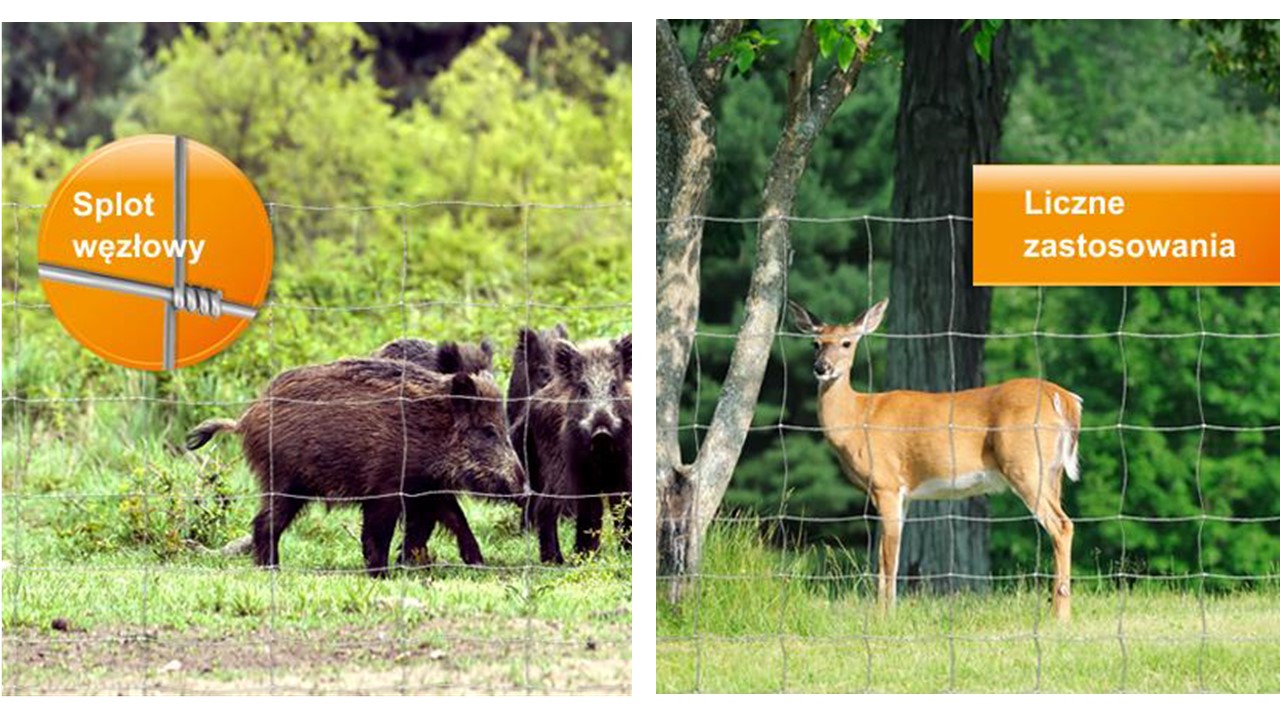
point(1042, 500)
point(1062, 564)
point(892, 506)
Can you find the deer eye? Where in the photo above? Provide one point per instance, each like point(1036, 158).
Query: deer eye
point(817, 345)
point(846, 343)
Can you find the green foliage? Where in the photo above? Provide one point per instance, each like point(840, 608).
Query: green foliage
point(1246, 48)
point(744, 49)
point(841, 38)
point(984, 37)
point(1129, 92)
point(288, 103)
point(32, 168)
point(69, 76)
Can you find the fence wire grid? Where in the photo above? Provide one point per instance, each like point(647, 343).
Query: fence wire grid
point(504, 640)
point(697, 652)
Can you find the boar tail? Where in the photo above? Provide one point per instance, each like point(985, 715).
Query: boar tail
point(205, 431)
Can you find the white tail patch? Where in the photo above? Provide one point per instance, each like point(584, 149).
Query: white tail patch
point(1068, 438)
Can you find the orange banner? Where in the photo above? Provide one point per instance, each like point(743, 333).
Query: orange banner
point(1126, 225)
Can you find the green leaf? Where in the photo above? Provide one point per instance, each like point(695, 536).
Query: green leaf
point(827, 38)
point(746, 56)
point(845, 53)
point(982, 44)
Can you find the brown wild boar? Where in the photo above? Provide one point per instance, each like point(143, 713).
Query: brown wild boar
point(386, 434)
point(445, 357)
point(579, 443)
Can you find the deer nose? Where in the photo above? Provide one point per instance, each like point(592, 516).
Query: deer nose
point(821, 368)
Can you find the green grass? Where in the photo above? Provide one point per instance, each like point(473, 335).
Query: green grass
point(759, 622)
point(123, 550)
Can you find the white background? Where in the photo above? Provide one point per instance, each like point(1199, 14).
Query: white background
point(644, 703)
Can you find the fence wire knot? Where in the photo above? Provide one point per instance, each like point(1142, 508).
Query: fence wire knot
point(202, 301)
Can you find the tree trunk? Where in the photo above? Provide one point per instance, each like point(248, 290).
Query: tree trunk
point(950, 111)
point(685, 156)
point(689, 495)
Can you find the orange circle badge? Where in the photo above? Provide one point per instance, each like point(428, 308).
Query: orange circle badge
point(155, 252)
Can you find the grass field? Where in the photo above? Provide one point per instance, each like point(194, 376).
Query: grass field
point(112, 532)
point(759, 623)
point(154, 619)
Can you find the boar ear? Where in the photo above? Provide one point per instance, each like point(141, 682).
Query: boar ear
point(449, 358)
point(463, 390)
point(623, 348)
point(486, 347)
point(560, 331)
point(805, 321)
point(569, 362)
point(528, 344)
point(393, 350)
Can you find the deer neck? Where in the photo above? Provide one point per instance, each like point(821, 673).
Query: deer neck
point(839, 405)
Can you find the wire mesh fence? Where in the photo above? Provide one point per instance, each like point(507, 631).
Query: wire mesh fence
point(122, 568)
point(1176, 519)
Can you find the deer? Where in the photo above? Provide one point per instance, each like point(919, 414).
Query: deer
point(906, 445)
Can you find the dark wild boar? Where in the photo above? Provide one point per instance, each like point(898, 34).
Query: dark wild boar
point(579, 443)
point(446, 357)
point(388, 435)
point(531, 368)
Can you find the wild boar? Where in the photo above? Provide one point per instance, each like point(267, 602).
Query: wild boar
point(530, 368)
point(445, 357)
point(386, 434)
point(579, 443)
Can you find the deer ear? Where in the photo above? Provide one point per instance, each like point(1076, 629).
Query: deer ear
point(872, 318)
point(804, 320)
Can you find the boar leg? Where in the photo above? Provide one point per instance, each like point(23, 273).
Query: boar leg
point(419, 523)
point(380, 517)
point(451, 516)
point(548, 515)
point(590, 520)
point(273, 518)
